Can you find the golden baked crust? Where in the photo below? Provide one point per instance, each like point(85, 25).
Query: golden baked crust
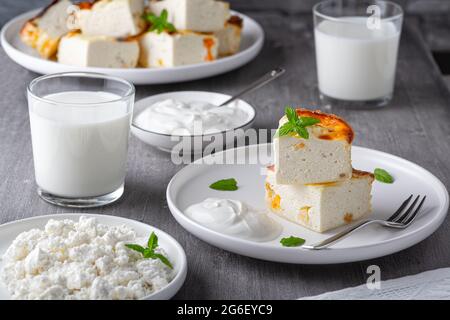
point(333, 127)
point(236, 21)
point(356, 174)
point(39, 40)
point(86, 5)
point(36, 38)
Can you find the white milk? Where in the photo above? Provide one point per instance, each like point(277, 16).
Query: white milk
point(354, 62)
point(80, 153)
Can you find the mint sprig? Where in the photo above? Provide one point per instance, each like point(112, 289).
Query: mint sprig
point(383, 176)
point(149, 251)
point(160, 24)
point(296, 124)
point(292, 241)
point(225, 185)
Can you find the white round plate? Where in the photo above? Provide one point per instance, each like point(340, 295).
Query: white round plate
point(167, 142)
point(190, 185)
point(10, 230)
point(252, 42)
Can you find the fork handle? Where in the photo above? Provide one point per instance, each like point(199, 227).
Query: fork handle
point(337, 237)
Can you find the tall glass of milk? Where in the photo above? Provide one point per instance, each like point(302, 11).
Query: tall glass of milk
point(356, 51)
point(80, 124)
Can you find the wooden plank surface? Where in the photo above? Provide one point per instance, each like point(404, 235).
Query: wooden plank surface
point(415, 126)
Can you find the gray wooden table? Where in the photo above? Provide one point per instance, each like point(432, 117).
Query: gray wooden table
point(415, 126)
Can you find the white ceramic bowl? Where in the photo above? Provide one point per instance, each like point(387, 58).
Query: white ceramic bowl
point(167, 142)
point(9, 231)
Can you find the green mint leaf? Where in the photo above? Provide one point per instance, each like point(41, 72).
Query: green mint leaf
point(153, 27)
point(160, 23)
point(302, 132)
point(291, 115)
point(136, 247)
point(164, 15)
point(292, 241)
point(149, 252)
point(163, 259)
point(225, 185)
point(152, 241)
point(308, 121)
point(296, 124)
point(383, 176)
point(285, 129)
point(170, 27)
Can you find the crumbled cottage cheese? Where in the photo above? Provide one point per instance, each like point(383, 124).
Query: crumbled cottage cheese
point(80, 260)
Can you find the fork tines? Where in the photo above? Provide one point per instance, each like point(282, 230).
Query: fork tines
point(405, 217)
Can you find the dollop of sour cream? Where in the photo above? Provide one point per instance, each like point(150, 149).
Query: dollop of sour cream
point(235, 218)
point(197, 117)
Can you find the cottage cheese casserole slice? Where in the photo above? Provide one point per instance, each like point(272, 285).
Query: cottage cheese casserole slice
point(118, 18)
point(134, 33)
point(97, 51)
point(323, 206)
point(44, 31)
point(323, 157)
point(81, 260)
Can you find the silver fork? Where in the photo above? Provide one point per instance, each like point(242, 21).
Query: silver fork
point(399, 220)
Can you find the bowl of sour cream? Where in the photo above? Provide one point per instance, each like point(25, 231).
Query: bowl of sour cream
point(190, 121)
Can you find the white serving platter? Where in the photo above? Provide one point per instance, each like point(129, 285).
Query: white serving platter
point(252, 42)
point(190, 185)
point(9, 231)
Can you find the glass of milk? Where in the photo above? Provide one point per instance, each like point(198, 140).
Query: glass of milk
point(356, 51)
point(80, 124)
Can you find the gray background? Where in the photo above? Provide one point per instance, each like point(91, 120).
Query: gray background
point(415, 126)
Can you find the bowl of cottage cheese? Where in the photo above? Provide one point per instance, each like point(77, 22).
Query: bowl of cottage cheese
point(88, 257)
